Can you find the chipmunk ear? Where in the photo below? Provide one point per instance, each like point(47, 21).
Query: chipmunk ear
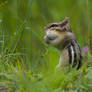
point(66, 20)
point(65, 24)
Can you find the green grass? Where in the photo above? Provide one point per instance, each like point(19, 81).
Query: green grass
point(27, 63)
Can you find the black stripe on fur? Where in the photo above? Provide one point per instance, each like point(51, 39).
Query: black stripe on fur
point(70, 54)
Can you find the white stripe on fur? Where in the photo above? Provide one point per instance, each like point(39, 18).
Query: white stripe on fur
point(72, 52)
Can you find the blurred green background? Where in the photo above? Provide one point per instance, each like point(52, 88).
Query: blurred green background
point(22, 47)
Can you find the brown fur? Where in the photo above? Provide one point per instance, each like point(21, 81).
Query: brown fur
point(60, 35)
point(62, 30)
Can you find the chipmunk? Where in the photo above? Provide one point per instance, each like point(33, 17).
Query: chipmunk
point(60, 35)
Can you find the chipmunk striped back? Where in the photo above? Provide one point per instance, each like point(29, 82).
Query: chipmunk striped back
point(74, 52)
point(60, 35)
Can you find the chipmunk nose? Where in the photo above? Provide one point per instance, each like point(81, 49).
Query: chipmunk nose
point(46, 39)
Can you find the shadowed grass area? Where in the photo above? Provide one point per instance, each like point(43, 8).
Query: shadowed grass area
point(27, 63)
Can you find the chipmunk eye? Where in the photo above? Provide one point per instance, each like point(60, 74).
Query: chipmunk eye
point(53, 25)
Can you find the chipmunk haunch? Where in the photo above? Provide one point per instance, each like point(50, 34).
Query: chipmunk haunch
point(60, 35)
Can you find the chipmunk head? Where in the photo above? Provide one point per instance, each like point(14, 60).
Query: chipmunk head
point(58, 32)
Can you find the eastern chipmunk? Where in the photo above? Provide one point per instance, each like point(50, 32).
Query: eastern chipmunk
point(60, 35)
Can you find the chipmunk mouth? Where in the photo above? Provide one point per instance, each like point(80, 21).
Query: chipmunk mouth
point(49, 39)
point(52, 38)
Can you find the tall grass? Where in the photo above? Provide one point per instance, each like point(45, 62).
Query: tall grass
point(27, 63)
